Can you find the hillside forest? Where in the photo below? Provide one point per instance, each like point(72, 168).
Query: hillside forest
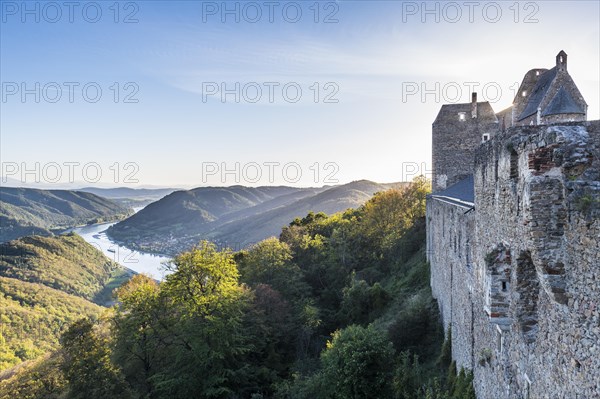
point(336, 307)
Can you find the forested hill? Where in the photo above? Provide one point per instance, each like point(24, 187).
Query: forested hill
point(66, 263)
point(47, 283)
point(28, 211)
point(337, 307)
point(233, 216)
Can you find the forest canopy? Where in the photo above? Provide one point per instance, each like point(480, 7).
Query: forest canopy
point(336, 307)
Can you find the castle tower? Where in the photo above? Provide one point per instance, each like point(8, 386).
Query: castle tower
point(548, 96)
point(457, 131)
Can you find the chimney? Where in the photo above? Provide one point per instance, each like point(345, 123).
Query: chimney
point(474, 105)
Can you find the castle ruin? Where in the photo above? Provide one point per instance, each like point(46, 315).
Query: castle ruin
point(513, 239)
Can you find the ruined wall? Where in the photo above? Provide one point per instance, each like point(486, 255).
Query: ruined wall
point(533, 289)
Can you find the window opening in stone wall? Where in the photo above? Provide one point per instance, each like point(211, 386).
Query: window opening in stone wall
point(498, 272)
point(514, 164)
point(485, 137)
point(468, 254)
point(443, 226)
point(527, 288)
point(462, 116)
point(460, 244)
point(496, 171)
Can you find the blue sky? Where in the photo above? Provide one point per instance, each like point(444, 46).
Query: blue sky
point(173, 53)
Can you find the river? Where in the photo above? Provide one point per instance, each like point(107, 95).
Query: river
point(139, 262)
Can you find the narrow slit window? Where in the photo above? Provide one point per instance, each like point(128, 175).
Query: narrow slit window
point(514, 165)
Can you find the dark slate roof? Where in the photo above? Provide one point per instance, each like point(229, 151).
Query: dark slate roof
point(537, 94)
point(461, 192)
point(562, 103)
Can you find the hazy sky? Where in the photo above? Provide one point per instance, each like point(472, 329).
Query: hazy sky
point(372, 76)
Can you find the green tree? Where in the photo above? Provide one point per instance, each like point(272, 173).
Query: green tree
point(87, 365)
point(201, 328)
point(413, 323)
point(136, 326)
point(463, 386)
point(362, 303)
point(270, 262)
point(409, 378)
point(272, 328)
point(358, 363)
point(203, 281)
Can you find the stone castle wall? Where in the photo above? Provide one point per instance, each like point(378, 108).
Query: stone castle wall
point(449, 248)
point(518, 277)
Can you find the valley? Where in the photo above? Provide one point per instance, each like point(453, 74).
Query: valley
point(233, 217)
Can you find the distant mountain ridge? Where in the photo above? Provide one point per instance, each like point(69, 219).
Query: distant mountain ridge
point(128, 192)
point(28, 211)
point(236, 216)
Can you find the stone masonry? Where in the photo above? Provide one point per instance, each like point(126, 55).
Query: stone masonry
point(515, 263)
